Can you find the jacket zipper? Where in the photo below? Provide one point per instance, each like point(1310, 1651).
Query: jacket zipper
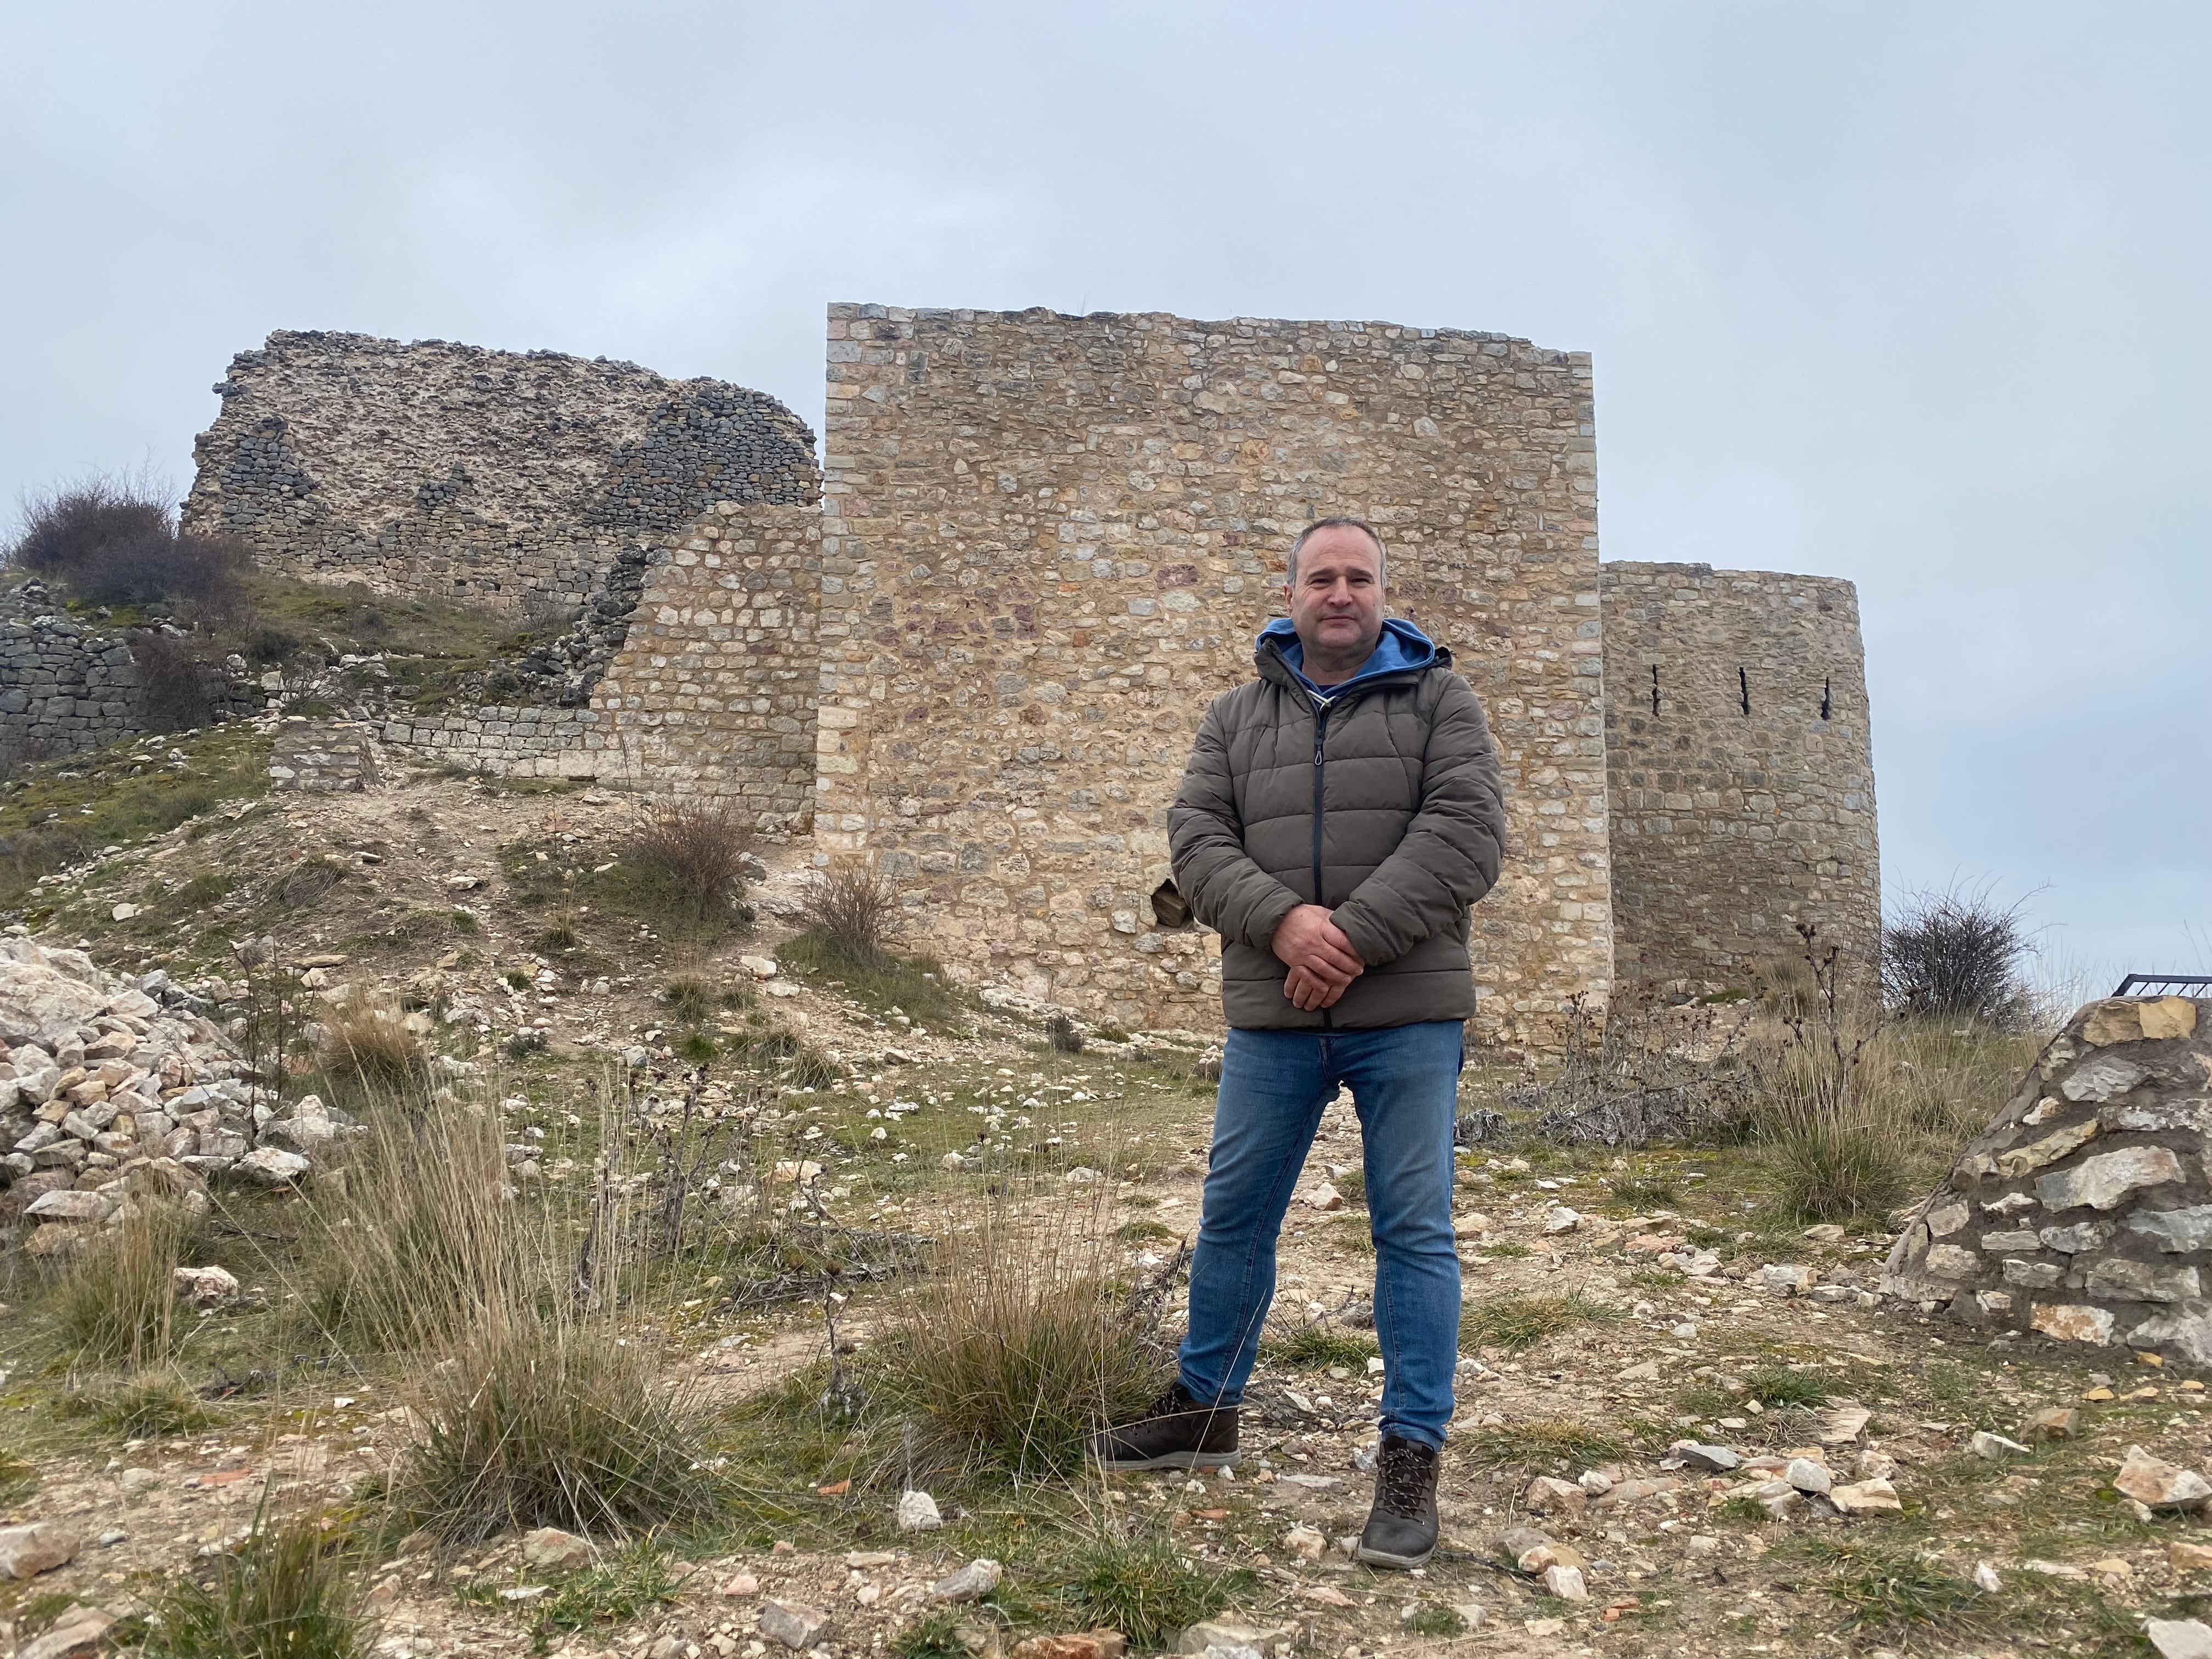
point(1320, 739)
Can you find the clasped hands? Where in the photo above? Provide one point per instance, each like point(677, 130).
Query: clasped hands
point(1321, 958)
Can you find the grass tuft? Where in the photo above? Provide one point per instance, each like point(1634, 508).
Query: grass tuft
point(689, 998)
point(1543, 1443)
point(287, 1592)
point(610, 1592)
point(1516, 1323)
point(1826, 1171)
point(116, 1303)
point(1021, 1343)
point(366, 1043)
point(1317, 1347)
point(552, 1421)
point(1885, 1591)
point(1146, 1588)
point(140, 1408)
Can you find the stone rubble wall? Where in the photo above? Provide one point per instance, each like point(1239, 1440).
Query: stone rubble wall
point(1048, 541)
point(2084, 1211)
point(1728, 827)
point(68, 686)
point(514, 481)
point(713, 694)
point(333, 757)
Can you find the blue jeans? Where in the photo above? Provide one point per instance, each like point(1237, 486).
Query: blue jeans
point(1404, 1085)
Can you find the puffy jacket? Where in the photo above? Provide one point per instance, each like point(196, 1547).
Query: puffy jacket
point(1379, 798)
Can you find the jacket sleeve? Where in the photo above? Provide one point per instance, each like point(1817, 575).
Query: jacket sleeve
point(1451, 853)
point(1226, 890)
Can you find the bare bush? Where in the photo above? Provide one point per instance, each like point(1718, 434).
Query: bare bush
point(111, 540)
point(1955, 953)
point(696, 849)
point(1639, 1071)
point(855, 912)
point(173, 684)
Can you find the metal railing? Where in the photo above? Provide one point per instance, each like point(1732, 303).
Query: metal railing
point(2165, 985)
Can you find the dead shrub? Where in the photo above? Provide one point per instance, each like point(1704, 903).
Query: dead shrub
point(855, 912)
point(112, 540)
point(173, 694)
point(1955, 953)
point(697, 848)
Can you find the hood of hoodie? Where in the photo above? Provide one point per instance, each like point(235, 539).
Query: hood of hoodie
point(1402, 646)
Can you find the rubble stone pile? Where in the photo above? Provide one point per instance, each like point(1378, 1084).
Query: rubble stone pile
point(116, 1090)
point(2084, 1213)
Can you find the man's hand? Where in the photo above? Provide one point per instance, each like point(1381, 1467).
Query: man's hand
point(1308, 991)
point(1321, 960)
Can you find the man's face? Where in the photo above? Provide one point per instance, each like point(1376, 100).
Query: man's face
point(1336, 602)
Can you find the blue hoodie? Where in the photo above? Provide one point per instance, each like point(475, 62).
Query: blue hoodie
point(1402, 646)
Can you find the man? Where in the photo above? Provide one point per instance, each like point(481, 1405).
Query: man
point(1338, 816)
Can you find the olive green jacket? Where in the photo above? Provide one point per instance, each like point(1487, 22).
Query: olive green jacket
point(1381, 801)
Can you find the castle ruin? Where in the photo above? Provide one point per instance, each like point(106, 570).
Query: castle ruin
point(1042, 544)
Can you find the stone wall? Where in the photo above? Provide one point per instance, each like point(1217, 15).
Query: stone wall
point(67, 686)
point(2084, 1213)
point(1740, 771)
point(712, 693)
point(511, 480)
point(1048, 540)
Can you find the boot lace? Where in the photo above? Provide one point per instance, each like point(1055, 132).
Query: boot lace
point(1402, 1478)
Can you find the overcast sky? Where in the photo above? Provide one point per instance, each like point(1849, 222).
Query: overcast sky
point(1914, 294)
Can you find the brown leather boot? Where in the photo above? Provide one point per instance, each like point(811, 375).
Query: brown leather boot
point(1401, 1527)
point(1176, 1433)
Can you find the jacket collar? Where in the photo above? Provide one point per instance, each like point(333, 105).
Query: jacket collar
point(1402, 655)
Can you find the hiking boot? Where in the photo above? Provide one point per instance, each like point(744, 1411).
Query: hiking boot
point(1401, 1527)
point(1176, 1433)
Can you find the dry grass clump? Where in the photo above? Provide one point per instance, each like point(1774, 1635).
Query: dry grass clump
point(1023, 1342)
point(366, 1042)
point(547, 1417)
point(421, 1238)
point(141, 1406)
point(695, 849)
point(290, 1591)
point(1514, 1324)
point(1831, 1139)
point(116, 1303)
point(532, 1405)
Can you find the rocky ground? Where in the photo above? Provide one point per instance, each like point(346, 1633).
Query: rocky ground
point(1686, 1424)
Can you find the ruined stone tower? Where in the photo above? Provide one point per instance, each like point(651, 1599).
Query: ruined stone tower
point(511, 480)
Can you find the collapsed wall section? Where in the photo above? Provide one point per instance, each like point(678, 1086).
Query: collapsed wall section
point(712, 694)
point(1740, 772)
point(1048, 541)
point(514, 481)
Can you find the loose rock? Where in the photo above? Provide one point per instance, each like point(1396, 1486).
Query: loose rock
point(794, 1623)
